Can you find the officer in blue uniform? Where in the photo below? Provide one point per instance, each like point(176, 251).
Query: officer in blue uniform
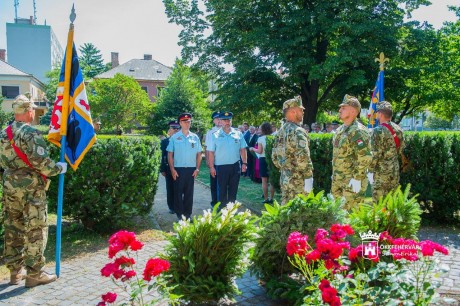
point(207, 144)
point(164, 166)
point(227, 146)
point(184, 157)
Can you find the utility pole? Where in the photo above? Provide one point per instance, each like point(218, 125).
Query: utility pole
point(16, 4)
point(35, 13)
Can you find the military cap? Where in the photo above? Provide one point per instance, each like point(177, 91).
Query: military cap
point(97, 121)
point(22, 104)
point(185, 117)
point(215, 115)
point(295, 102)
point(225, 115)
point(174, 124)
point(384, 105)
point(351, 101)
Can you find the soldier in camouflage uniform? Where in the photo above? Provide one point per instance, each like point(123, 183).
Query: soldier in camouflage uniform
point(387, 142)
point(291, 153)
point(24, 198)
point(351, 155)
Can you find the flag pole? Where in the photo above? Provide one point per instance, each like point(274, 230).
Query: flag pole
point(63, 132)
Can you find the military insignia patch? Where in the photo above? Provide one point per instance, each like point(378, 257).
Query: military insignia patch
point(179, 138)
point(193, 145)
point(236, 140)
point(359, 142)
point(302, 143)
point(40, 151)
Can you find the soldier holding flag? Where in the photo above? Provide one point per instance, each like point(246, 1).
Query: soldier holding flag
point(24, 156)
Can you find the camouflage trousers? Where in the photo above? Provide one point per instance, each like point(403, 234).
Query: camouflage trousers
point(291, 185)
point(25, 220)
point(384, 183)
point(341, 189)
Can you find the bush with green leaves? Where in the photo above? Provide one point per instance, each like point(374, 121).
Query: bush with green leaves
point(398, 213)
point(116, 181)
point(303, 214)
point(208, 253)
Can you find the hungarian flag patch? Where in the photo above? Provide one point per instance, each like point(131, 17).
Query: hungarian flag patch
point(359, 142)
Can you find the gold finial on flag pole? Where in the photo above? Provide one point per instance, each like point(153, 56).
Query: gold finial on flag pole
point(382, 61)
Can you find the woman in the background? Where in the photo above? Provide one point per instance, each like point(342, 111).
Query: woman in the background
point(266, 129)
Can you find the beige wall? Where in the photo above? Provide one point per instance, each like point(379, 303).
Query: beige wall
point(152, 88)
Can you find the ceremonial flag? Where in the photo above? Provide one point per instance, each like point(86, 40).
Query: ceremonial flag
point(377, 96)
point(77, 125)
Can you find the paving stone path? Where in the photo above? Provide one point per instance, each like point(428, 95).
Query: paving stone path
point(81, 284)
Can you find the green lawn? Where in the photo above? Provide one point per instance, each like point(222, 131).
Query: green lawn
point(249, 193)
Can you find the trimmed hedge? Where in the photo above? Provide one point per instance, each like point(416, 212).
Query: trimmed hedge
point(116, 181)
point(433, 171)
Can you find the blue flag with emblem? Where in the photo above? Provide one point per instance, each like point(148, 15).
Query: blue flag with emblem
point(377, 96)
point(77, 125)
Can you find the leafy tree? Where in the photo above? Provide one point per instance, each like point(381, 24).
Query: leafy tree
point(91, 62)
point(53, 82)
point(120, 102)
point(4, 117)
point(437, 123)
point(318, 49)
point(184, 92)
point(447, 80)
point(46, 118)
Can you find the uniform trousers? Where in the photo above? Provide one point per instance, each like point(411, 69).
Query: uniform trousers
point(228, 178)
point(26, 228)
point(183, 191)
point(169, 189)
point(213, 181)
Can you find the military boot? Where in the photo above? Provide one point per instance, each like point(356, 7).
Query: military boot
point(40, 278)
point(17, 276)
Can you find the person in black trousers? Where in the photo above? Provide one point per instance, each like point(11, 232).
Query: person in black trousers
point(164, 166)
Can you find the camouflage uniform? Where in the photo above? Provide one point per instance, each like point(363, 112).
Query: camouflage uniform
point(291, 154)
point(385, 162)
point(24, 198)
point(351, 158)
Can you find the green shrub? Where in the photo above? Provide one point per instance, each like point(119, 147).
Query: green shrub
point(434, 173)
point(208, 253)
point(2, 228)
point(397, 213)
point(116, 181)
point(304, 214)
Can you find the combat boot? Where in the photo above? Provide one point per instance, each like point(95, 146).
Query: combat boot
point(40, 278)
point(17, 276)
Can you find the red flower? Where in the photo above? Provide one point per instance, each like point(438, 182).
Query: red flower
point(123, 240)
point(355, 253)
point(386, 237)
point(404, 249)
point(320, 234)
point(108, 269)
point(109, 297)
point(313, 256)
point(124, 261)
point(428, 247)
point(324, 284)
point(339, 232)
point(297, 244)
point(329, 295)
point(129, 274)
point(154, 267)
point(101, 304)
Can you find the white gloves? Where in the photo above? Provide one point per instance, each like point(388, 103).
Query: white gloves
point(64, 167)
point(370, 177)
point(308, 185)
point(355, 185)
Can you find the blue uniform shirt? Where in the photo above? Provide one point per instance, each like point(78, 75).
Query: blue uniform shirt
point(226, 147)
point(185, 149)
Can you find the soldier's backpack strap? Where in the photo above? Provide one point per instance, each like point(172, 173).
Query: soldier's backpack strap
point(21, 155)
point(395, 137)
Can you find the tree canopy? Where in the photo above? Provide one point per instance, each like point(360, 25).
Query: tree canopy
point(119, 102)
point(184, 92)
point(263, 52)
point(91, 62)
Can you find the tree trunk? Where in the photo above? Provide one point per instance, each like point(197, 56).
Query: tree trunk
point(309, 94)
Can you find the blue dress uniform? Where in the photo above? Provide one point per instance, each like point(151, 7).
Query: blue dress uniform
point(164, 168)
point(226, 148)
point(185, 150)
point(208, 143)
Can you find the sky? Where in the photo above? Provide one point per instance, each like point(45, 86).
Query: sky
point(136, 27)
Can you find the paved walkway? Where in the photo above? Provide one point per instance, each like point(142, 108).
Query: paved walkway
point(81, 283)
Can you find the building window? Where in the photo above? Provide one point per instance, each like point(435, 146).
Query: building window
point(10, 92)
point(144, 88)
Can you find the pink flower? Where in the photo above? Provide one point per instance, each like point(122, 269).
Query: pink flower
point(320, 234)
point(313, 256)
point(339, 232)
point(109, 297)
point(297, 244)
point(428, 247)
point(386, 237)
point(355, 253)
point(154, 267)
point(404, 249)
point(108, 269)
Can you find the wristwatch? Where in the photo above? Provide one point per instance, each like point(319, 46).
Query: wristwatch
point(245, 164)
